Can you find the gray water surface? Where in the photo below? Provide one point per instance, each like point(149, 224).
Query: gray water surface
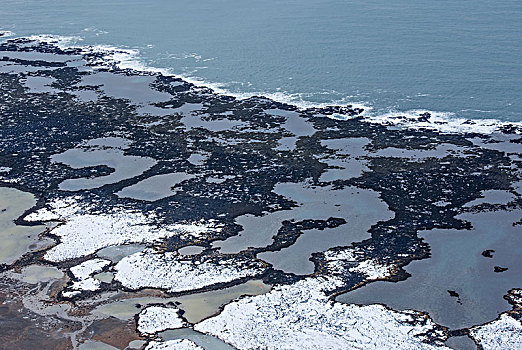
point(155, 187)
point(360, 208)
point(102, 151)
point(457, 264)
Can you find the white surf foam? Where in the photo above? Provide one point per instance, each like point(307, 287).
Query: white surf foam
point(443, 122)
point(129, 58)
point(6, 34)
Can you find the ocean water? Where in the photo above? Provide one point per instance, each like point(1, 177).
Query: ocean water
point(461, 57)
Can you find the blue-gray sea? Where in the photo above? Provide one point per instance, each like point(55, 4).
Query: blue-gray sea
point(462, 57)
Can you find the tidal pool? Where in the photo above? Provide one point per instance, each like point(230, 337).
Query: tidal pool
point(207, 342)
point(95, 345)
point(37, 273)
point(102, 151)
point(117, 252)
point(360, 208)
point(294, 123)
point(135, 88)
point(457, 265)
point(191, 250)
point(196, 307)
point(347, 162)
point(38, 84)
point(155, 187)
point(216, 125)
point(16, 240)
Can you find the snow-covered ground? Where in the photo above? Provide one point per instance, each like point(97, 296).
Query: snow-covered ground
point(83, 275)
point(177, 273)
point(83, 233)
point(156, 319)
point(503, 333)
point(301, 316)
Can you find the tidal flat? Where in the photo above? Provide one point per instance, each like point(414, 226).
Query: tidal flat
point(244, 223)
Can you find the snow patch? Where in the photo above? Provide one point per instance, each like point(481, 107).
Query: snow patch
point(178, 273)
point(503, 333)
point(339, 262)
point(83, 275)
point(156, 319)
point(300, 316)
point(84, 233)
point(372, 269)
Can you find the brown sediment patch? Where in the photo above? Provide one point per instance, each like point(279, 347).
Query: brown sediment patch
point(22, 329)
point(112, 331)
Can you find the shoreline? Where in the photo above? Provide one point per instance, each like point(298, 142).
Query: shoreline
point(128, 59)
point(227, 162)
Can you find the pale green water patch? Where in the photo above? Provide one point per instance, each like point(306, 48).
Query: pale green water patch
point(117, 252)
point(96, 345)
point(105, 277)
point(191, 250)
point(196, 307)
point(16, 239)
point(136, 344)
point(208, 342)
point(37, 273)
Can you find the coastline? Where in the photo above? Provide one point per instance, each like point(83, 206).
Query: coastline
point(237, 171)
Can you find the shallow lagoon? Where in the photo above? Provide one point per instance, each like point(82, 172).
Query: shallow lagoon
point(457, 264)
point(17, 240)
point(360, 208)
point(154, 187)
point(103, 151)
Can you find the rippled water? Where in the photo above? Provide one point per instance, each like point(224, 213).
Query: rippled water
point(462, 57)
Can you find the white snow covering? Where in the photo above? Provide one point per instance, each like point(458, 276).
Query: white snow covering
point(176, 344)
point(156, 319)
point(343, 261)
point(503, 333)
point(88, 268)
point(58, 209)
point(84, 233)
point(300, 316)
point(372, 269)
point(178, 273)
point(83, 274)
point(336, 260)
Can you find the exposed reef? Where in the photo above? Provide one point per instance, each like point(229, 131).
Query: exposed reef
point(131, 167)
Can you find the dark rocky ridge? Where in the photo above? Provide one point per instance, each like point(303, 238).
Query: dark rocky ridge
point(35, 126)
